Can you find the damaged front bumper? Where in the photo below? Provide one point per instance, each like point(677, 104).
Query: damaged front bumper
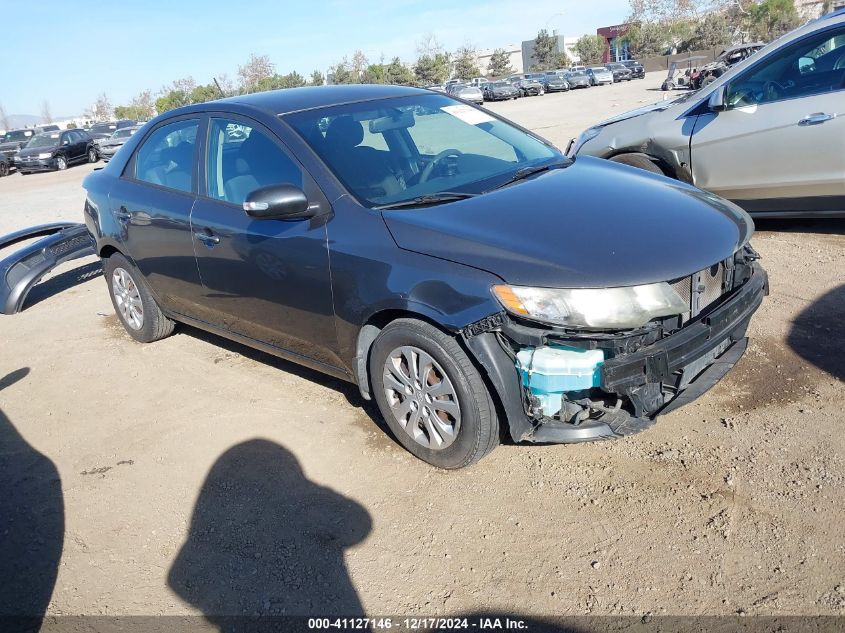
point(645, 374)
point(59, 242)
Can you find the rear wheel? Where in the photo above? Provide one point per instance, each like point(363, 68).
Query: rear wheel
point(431, 395)
point(135, 307)
point(640, 161)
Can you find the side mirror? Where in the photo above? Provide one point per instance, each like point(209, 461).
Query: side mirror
point(278, 202)
point(717, 103)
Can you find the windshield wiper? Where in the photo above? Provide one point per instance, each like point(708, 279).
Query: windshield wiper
point(430, 199)
point(526, 172)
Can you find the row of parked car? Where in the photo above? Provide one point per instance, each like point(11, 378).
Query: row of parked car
point(49, 148)
point(481, 89)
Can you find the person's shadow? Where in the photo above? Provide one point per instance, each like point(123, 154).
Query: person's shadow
point(266, 541)
point(32, 526)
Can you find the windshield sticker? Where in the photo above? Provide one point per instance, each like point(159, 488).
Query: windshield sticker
point(468, 114)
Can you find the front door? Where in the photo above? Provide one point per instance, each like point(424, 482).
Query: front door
point(778, 146)
point(264, 279)
point(152, 203)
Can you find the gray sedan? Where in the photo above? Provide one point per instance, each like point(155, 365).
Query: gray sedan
point(106, 148)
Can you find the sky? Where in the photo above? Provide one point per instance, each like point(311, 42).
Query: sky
point(66, 53)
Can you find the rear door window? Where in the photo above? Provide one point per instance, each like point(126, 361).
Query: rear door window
point(166, 158)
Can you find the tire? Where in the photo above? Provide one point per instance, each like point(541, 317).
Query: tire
point(640, 161)
point(708, 80)
point(153, 324)
point(476, 426)
point(4, 169)
point(61, 163)
point(92, 155)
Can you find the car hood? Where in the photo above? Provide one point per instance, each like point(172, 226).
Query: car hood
point(112, 142)
point(660, 106)
point(35, 151)
point(593, 224)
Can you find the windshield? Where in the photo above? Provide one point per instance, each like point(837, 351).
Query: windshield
point(124, 133)
point(577, 73)
point(50, 139)
point(395, 150)
point(103, 128)
point(499, 84)
point(18, 135)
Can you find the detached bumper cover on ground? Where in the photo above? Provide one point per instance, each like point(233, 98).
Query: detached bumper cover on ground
point(19, 272)
point(649, 380)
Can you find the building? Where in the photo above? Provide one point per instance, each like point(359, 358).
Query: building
point(562, 45)
point(615, 48)
point(514, 52)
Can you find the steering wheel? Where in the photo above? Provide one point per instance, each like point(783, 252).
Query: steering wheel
point(772, 91)
point(429, 169)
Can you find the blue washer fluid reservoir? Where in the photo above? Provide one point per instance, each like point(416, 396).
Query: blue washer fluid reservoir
point(549, 372)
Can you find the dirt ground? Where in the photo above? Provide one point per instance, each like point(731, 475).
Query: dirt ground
point(195, 475)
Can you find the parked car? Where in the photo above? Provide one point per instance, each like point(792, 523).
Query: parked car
point(499, 91)
point(599, 76)
point(422, 249)
point(107, 147)
point(478, 82)
point(620, 72)
point(767, 134)
point(578, 79)
point(105, 129)
point(577, 68)
point(529, 87)
point(437, 88)
point(51, 151)
point(636, 68)
point(466, 92)
point(555, 83)
point(47, 128)
point(709, 73)
point(13, 140)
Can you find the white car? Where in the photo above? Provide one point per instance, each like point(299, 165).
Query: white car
point(767, 135)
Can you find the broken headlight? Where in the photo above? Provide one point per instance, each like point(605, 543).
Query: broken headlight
point(586, 135)
point(593, 308)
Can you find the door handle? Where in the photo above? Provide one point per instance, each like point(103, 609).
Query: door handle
point(207, 238)
point(816, 119)
point(122, 215)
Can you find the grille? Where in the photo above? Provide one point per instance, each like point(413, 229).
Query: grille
point(701, 290)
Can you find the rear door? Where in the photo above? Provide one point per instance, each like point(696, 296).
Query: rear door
point(268, 280)
point(152, 203)
point(778, 146)
point(78, 144)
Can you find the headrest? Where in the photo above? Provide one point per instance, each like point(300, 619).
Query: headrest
point(344, 132)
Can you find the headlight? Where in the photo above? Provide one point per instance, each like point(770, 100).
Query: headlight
point(46, 155)
point(586, 136)
point(594, 308)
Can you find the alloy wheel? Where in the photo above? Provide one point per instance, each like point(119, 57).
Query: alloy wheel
point(127, 298)
point(422, 398)
point(61, 163)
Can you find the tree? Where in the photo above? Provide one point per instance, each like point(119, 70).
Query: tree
point(71, 126)
point(102, 108)
point(399, 74)
point(770, 19)
point(590, 49)
point(258, 67)
point(358, 65)
point(4, 118)
point(500, 63)
point(317, 78)
point(176, 95)
point(279, 82)
point(466, 62)
point(141, 108)
point(46, 115)
point(545, 50)
point(429, 45)
point(374, 74)
point(204, 93)
point(647, 39)
point(711, 31)
point(340, 73)
point(432, 69)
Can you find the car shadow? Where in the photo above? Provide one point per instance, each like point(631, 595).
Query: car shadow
point(32, 525)
point(266, 541)
point(825, 226)
point(818, 333)
point(61, 282)
point(347, 389)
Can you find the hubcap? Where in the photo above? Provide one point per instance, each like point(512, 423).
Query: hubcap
point(92, 156)
point(127, 298)
point(422, 399)
point(60, 163)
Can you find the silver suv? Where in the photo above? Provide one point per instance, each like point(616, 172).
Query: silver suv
point(767, 135)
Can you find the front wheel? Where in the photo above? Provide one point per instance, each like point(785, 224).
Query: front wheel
point(640, 161)
point(61, 163)
point(92, 155)
point(135, 307)
point(431, 395)
point(4, 169)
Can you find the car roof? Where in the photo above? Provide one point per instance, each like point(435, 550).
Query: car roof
point(290, 100)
